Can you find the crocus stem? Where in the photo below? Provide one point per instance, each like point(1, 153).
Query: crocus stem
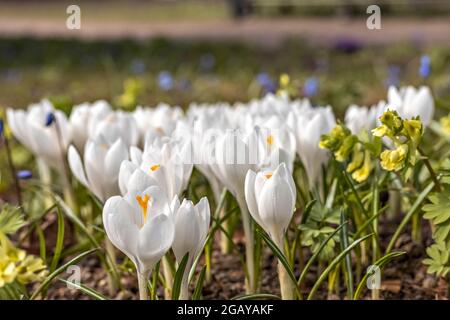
point(184, 290)
point(251, 285)
point(142, 282)
point(13, 171)
point(168, 277)
point(69, 195)
point(46, 180)
point(111, 255)
point(225, 245)
point(286, 285)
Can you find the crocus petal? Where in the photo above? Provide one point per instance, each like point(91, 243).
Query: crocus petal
point(118, 220)
point(114, 157)
point(126, 170)
point(155, 239)
point(76, 166)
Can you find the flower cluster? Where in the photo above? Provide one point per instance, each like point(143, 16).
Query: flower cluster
point(16, 265)
point(139, 164)
point(404, 135)
point(352, 150)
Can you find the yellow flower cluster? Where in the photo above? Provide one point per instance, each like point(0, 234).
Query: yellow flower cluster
point(405, 135)
point(445, 123)
point(15, 264)
point(344, 146)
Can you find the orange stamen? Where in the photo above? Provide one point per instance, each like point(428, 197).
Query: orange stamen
point(155, 167)
point(143, 203)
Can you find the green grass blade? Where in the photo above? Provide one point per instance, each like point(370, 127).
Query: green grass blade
point(86, 290)
point(333, 264)
point(307, 211)
point(422, 196)
point(277, 252)
point(55, 273)
point(199, 286)
point(257, 296)
point(316, 254)
point(59, 241)
point(380, 263)
point(179, 277)
point(344, 243)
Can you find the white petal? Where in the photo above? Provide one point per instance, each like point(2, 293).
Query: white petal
point(76, 166)
point(114, 157)
point(155, 239)
point(120, 227)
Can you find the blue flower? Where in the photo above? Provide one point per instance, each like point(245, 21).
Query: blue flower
point(311, 87)
point(207, 61)
point(2, 127)
point(24, 174)
point(265, 81)
point(49, 119)
point(165, 80)
point(425, 66)
point(393, 76)
point(137, 66)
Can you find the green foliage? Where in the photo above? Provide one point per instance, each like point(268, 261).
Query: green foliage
point(11, 219)
point(438, 212)
point(315, 230)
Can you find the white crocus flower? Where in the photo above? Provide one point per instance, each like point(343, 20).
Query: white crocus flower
point(410, 102)
point(309, 128)
point(140, 225)
point(117, 125)
point(46, 139)
point(84, 118)
point(99, 171)
point(191, 230)
point(271, 200)
point(233, 158)
point(167, 166)
point(363, 118)
point(159, 121)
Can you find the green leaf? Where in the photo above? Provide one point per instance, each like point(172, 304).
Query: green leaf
point(380, 263)
point(89, 291)
point(333, 264)
point(257, 296)
point(179, 277)
point(348, 262)
point(277, 252)
point(62, 268)
point(422, 196)
point(59, 241)
point(11, 219)
point(316, 254)
point(199, 286)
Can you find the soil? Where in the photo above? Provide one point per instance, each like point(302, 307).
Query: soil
point(403, 278)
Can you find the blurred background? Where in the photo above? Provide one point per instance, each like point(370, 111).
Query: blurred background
point(144, 52)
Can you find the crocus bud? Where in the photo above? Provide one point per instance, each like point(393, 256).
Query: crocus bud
point(271, 199)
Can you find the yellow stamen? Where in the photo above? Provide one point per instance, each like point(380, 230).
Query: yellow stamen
point(159, 130)
point(268, 175)
point(143, 203)
point(155, 167)
point(270, 140)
